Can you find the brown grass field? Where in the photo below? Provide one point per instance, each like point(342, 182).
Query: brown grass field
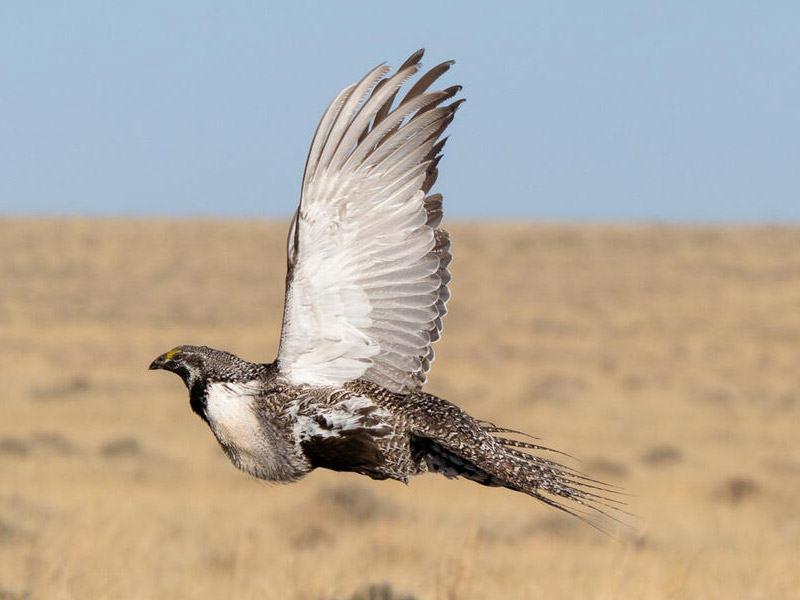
point(667, 359)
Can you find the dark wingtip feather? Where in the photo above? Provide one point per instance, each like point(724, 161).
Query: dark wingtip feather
point(427, 80)
point(413, 59)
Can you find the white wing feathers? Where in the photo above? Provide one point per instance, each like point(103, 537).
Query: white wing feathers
point(367, 264)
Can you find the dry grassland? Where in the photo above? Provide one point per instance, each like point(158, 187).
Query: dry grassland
point(667, 359)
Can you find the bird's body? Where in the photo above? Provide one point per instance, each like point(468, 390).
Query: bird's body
point(366, 289)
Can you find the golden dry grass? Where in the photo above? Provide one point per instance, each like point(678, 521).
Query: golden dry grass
point(665, 358)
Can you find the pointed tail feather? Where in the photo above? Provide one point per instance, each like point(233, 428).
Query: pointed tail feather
point(559, 486)
point(474, 450)
point(447, 440)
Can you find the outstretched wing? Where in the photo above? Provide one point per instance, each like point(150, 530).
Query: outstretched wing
point(367, 276)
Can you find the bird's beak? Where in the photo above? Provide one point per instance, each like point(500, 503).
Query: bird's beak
point(167, 361)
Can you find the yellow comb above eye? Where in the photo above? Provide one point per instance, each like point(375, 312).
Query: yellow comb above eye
point(171, 354)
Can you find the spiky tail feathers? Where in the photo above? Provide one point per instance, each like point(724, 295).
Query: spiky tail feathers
point(456, 445)
point(555, 484)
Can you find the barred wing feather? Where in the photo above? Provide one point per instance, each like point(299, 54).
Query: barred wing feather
point(367, 262)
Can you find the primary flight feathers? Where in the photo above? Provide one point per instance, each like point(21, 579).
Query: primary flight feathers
point(367, 280)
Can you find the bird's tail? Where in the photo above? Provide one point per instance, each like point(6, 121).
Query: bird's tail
point(552, 482)
point(493, 456)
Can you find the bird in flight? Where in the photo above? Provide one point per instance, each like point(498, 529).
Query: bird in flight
point(366, 289)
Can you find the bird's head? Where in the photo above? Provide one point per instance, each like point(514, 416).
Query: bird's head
point(190, 363)
point(201, 365)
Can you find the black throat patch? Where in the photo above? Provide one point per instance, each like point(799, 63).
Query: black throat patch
point(198, 398)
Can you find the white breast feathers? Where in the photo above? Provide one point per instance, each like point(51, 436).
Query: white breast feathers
point(252, 445)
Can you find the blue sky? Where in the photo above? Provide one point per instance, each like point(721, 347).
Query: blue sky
point(656, 111)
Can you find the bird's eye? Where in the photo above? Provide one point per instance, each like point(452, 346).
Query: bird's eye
point(172, 353)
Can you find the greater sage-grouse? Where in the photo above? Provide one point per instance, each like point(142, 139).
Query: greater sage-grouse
point(365, 296)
